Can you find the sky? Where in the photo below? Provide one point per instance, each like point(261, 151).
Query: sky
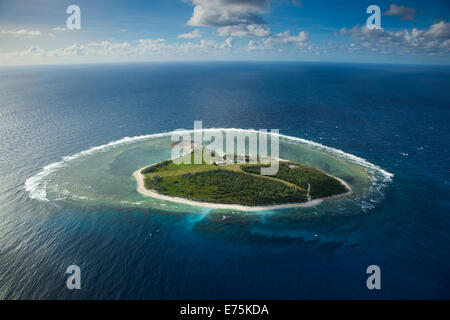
point(412, 32)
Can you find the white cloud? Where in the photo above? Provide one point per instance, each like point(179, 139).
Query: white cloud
point(254, 45)
point(203, 46)
point(280, 39)
point(433, 41)
point(402, 11)
point(285, 38)
point(227, 12)
point(73, 50)
point(191, 35)
point(232, 17)
point(138, 50)
point(439, 30)
point(59, 29)
point(31, 51)
point(22, 32)
point(150, 45)
point(242, 30)
point(227, 44)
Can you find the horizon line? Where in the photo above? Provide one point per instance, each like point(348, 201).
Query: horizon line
point(224, 61)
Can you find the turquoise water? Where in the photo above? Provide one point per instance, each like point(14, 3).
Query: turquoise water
point(102, 175)
point(67, 195)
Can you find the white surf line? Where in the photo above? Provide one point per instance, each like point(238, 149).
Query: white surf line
point(36, 185)
point(152, 193)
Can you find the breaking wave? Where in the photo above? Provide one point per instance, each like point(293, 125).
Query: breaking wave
point(36, 185)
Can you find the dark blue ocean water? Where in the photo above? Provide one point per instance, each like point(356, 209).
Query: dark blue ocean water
point(394, 116)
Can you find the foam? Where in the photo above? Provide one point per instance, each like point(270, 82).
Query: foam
point(37, 184)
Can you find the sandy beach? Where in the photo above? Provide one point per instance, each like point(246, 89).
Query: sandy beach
point(151, 193)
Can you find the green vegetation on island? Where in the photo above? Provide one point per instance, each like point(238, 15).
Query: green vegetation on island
point(242, 184)
point(321, 185)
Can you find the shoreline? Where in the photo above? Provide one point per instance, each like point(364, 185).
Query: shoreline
point(151, 193)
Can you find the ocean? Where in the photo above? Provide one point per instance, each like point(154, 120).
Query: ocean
point(67, 195)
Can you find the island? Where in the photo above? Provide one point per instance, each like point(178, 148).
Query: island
point(239, 186)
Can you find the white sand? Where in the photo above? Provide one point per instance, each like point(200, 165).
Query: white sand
point(151, 193)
